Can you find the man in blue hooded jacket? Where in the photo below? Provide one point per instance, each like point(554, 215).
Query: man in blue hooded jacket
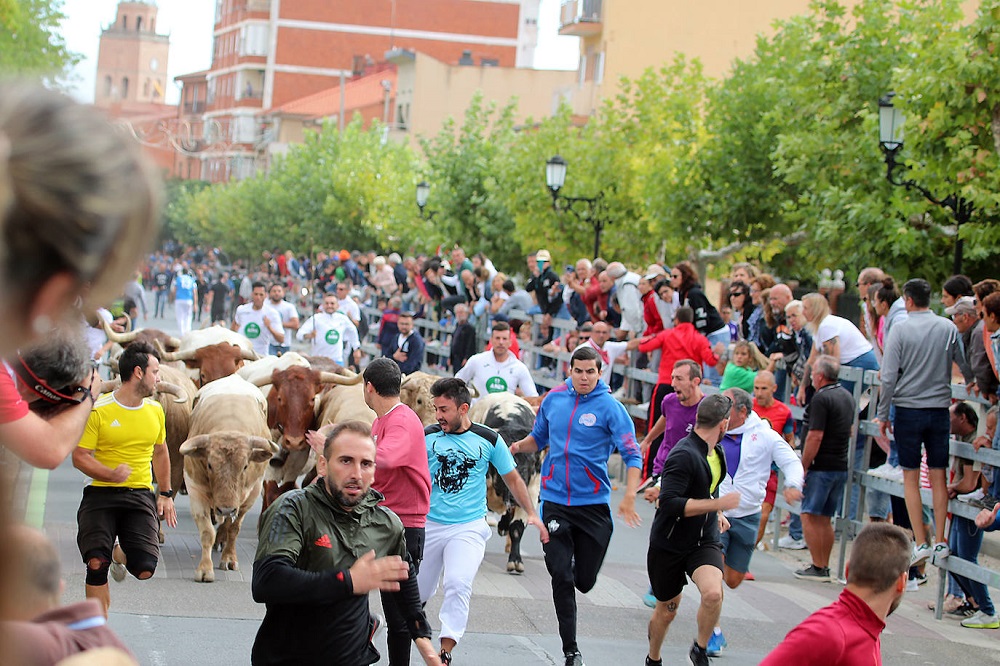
point(581, 425)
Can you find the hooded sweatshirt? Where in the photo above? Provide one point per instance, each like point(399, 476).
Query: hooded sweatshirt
point(750, 450)
point(581, 432)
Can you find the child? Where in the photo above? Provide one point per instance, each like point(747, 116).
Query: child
point(743, 367)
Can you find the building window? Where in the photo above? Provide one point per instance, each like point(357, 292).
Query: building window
point(107, 86)
point(138, 24)
point(124, 87)
point(145, 88)
point(599, 74)
point(124, 22)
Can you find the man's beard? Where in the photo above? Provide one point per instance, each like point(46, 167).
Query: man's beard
point(342, 499)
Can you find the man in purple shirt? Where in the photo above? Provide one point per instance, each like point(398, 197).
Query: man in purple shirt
point(678, 412)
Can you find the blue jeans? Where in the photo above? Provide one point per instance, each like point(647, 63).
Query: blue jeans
point(868, 361)
point(711, 374)
point(795, 527)
point(277, 350)
point(823, 493)
point(964, 542)
point(876, 501)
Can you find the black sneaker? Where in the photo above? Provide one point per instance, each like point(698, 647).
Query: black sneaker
point(650, 662)
point(698, 655)
point(985, 502)
point(574, 658)
point(813, 572)
point(963, 611)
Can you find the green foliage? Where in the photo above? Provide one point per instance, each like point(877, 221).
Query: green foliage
point(30, 43)
point(777, 162)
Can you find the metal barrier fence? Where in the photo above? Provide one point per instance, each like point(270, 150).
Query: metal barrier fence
point(866, 385)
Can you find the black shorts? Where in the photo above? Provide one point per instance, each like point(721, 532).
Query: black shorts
point(109, 512)
point(669, 571)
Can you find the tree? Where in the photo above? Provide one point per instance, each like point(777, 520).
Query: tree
point(30, 43)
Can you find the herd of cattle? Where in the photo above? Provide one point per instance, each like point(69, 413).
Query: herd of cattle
point(236, 426)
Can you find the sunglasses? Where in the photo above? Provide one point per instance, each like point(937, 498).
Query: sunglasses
point(41, 388)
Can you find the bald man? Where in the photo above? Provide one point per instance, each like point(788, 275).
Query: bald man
point(779, 417)
point(781, 337)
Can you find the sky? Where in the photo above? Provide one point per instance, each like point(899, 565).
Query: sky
point(189, 24)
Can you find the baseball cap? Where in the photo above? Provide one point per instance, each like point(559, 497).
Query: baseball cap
point(964, 305)
point(654, 271)
point(543, 255)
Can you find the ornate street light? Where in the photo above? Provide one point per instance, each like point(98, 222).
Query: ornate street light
point(593, 214)
point(890, 137)
point(423, 192)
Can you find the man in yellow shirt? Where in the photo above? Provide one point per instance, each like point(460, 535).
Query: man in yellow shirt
point(124, 435)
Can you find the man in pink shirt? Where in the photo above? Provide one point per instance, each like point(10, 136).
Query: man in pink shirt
point(402, 476)
point(847, 631)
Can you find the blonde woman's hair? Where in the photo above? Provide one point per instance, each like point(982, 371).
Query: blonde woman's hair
point(757, 359)
point(76, 197)
point(820, 308)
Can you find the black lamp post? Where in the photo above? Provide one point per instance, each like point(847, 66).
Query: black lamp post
point(424, 191)
point(593, 214)
point(890, 137)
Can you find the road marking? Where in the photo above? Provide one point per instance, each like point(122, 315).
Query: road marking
point(535, 650)
point(34, 513)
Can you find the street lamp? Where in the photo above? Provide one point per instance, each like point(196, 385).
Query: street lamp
point(424, 191)
point(890, 138)
point(593, 214)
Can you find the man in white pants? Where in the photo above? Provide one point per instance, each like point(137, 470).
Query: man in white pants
point(459, 454)
point(185, 292)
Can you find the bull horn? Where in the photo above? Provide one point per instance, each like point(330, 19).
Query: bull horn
point(340, 380)
point(248, 355)
point(174, 356)
point(473, 391)
point(174, 342)
point(195, 446)
point(172, 389)
point(113, 335)
point(406, 378)
point(128, 322)
point(262, 381)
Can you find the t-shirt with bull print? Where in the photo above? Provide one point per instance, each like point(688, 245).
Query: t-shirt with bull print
point(458, 464)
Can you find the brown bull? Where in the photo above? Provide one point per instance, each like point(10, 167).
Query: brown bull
point(291, 411)
point(224, 462)
point(415, 393)
point(211, 362)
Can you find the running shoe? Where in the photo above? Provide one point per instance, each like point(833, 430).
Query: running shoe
point(118, 569)
point(981, 621)
point(716, 643)
point(813, 572)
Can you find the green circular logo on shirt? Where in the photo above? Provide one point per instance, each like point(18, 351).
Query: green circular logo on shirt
point(252, 330)
point(496, 385)
point(332, 336)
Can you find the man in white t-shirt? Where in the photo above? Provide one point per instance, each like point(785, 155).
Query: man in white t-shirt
point(608, 350)
point(259, 322)
point(496, 370)
point(346, 304)
point(289, 318)
point(331, 333)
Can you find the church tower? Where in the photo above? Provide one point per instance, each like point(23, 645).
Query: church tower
point(132, 60)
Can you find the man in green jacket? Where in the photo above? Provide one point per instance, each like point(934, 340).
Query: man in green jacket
point(306, 571)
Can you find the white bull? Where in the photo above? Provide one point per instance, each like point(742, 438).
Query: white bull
point(224, 461)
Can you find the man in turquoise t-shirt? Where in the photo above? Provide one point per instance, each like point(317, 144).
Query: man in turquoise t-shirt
point(459, 454)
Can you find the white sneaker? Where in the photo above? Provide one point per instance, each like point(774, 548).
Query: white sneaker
point(976, 494)
point(940, 551)
point(912, 585)
point(981, 621)
point(791, 543)
point(117, 569)
point(887, 471)
point(920, 554)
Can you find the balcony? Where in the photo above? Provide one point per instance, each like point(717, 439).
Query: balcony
point(581, 18)
point(194, 107)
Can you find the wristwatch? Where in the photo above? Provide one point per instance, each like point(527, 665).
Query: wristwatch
point(167, 493)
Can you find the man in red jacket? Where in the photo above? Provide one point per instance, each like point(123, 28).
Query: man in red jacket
point(847, 631)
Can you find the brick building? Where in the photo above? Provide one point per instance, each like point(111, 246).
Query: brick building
point(268, 53)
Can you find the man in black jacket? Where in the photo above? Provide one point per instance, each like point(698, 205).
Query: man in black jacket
point(547, 287)
point(307, 573)
point(463, 338)
point(684, 539)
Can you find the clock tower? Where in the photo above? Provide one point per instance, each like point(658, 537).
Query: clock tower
point(132, 60)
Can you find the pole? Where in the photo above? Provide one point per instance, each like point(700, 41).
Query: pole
point(598, 226)
point(343, 102)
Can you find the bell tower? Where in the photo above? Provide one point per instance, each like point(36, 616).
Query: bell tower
point(132, 59)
